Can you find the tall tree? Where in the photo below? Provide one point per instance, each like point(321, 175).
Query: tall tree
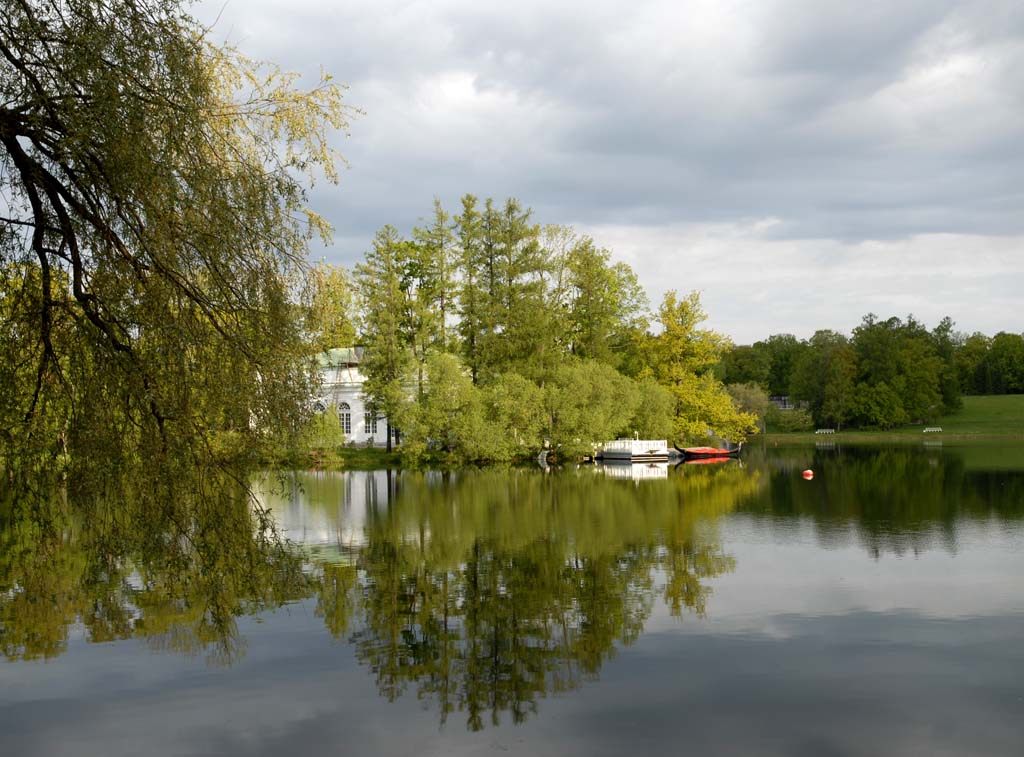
point(947, 342)
point(607, 303)
point(682, 358)
point(435, 274)
point(330, 319)
point(387, 360)
point(1004, 364)
point(747, 364)
point(824, 376)
point(473, 296)
point(519, 294)
point(783, 351)
point(903, 356)
point(970, 364)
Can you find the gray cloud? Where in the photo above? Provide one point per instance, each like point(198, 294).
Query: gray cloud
point(840, 121)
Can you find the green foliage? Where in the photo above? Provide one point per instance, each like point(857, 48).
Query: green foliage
point(531, 304)
point(330, 318)
point(891, 372)
point(157, 232)
point(784, 351)
point(751, 398)
point(321, 435)
point(586, 403)
point(902, 359)
point(788, 421)
point(655, 410)
point(681, 358)
point(449, 417)
point(970, 361)
point(823, 377)
point(878, 406)
point(388, 361)
point(1004, 364)
point(431, 272)
point(746, 365)
point(606, 304)
point(515, 405)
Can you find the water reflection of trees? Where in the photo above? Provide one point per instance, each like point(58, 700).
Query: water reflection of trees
point(483, 591)
point(174, 566)
point(487, 591)
point(894, 499)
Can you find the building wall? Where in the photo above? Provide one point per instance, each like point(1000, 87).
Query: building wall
point(342, 385)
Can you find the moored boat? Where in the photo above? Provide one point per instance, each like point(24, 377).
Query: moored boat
point(707, 453)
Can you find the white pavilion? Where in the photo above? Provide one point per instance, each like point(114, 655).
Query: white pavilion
point(341, 386)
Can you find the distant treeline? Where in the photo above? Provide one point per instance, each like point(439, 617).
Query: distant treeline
point(887, 373)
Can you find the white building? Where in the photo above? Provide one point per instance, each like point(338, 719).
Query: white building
point(341, 385)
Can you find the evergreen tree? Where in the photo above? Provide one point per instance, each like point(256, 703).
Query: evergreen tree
point(387, 359)
point(436, 274)
point(473, 295)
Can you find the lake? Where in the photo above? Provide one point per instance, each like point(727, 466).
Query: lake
point(731, 608)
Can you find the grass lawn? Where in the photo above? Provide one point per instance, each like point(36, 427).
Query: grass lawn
point(993, 415)
point(989, 417)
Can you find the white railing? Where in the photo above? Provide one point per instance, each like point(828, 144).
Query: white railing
point(637, 446)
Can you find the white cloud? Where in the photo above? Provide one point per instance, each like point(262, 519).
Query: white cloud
point(753, 286)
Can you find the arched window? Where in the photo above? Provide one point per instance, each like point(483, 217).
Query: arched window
point(345, 416)
point(319, 407)
point(370, 423)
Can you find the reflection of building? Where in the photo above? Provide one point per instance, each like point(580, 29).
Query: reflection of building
point(636, 471)
point(324, 508)
point(341, 385)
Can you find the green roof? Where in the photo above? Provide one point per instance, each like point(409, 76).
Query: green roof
point(339, 356)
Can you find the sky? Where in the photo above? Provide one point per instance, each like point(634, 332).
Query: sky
point(800, 163)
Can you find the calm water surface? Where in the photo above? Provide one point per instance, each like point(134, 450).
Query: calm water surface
point(712, 609)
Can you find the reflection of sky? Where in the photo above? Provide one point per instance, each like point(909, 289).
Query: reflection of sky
point(860, 683)
point(783, 570)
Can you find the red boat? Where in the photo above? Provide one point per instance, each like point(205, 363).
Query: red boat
point(707, 453)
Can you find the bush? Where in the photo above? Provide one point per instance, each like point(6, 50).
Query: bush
point(788, 421)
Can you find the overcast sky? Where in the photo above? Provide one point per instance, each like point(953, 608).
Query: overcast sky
point(799, 162)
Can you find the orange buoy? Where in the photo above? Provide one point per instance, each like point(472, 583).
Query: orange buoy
point(808, 474)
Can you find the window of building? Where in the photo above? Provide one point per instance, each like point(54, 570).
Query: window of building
point(345, 416)
point(370, 423)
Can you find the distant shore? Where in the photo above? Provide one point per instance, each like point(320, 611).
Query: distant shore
point(990, 418)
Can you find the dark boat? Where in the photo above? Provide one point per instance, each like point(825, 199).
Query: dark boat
point(707, 453)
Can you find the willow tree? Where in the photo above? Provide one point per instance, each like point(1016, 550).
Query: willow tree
point(154, 232)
